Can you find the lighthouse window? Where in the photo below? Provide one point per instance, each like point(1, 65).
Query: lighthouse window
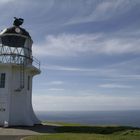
point(2, 80)
point(13, 41)
point(28, 83)
point(2, 109)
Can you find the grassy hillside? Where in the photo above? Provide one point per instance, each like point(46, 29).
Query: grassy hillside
point(65, 131)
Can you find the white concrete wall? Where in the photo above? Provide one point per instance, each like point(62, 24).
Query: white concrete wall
point(4, 94)
point(18, 104)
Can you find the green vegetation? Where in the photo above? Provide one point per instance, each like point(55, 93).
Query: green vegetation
point(61, 123)
point(92, 129)
point(66, 131)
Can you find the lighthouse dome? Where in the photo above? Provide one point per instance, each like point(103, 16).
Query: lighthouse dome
point(15, 30)
point(16, 36)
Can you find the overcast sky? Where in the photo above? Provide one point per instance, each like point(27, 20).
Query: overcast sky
point(89, 52)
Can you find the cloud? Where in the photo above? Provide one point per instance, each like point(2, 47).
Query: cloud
point(65, 68)
point(117, 86)
point(53, 14)
point(113, 72)
point(52, 83)
point(6, 1)
point(101, 72)
point(55, 89)
point(64, 44)
point(56, 83)
point(73, 45)
point(90, 102)
point(130, 76)
point(102, 10)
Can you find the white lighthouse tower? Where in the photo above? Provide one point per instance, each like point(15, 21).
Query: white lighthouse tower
point(17, 68)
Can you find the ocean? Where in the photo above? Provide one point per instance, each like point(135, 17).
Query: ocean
point(124, 118)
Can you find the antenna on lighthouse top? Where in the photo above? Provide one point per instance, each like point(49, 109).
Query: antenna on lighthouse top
point(18, 21)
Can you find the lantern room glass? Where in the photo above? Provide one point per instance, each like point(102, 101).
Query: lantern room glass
point(15, 48)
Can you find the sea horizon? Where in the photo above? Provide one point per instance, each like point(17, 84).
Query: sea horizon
point(110, 117)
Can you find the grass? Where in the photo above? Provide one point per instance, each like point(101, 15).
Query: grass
point(61, 123)
point(66, 131)
point(92, 129)
point(74, 136)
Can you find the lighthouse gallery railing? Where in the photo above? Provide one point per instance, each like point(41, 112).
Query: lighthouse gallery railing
point(17, 55)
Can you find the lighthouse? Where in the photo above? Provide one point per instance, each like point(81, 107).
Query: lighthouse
point(17, 69)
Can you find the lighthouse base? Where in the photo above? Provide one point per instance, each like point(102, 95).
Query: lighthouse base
point(21, 111)
point(16, 105)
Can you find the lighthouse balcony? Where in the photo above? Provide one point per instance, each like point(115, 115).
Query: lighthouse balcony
point(18, 59)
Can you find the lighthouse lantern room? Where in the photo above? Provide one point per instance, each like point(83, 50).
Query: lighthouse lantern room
point(17, 68)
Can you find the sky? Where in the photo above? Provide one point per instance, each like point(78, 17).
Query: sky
point(89, 52)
